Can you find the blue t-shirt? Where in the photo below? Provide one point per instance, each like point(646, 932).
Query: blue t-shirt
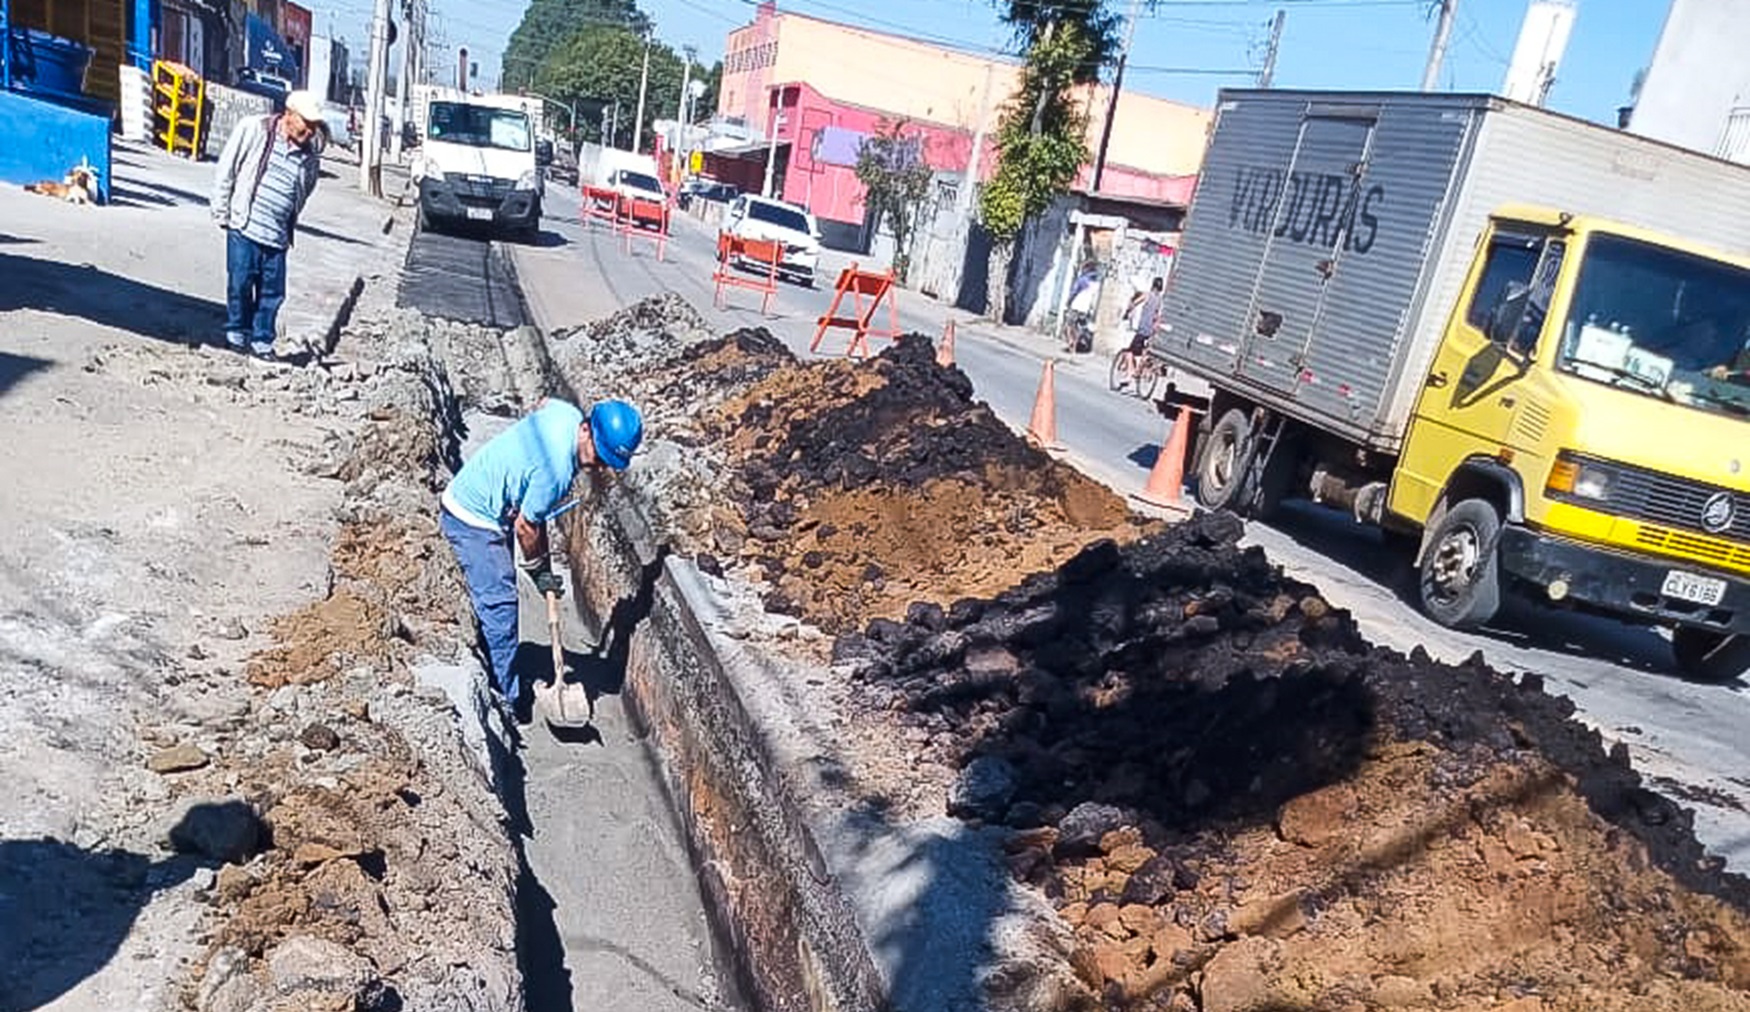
point(528, 468)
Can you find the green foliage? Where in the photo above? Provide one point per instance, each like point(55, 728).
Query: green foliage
point(1039, 141)
point(601, 64)
point(893, 171)
point(548, 24)
point(1037, 22)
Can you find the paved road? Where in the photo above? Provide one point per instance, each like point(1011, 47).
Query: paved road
point(1691, 738)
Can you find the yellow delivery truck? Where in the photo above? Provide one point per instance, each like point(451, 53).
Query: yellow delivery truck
point(1517, 342)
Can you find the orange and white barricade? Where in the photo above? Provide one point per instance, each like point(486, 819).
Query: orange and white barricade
point(867, 291)
point(762, 258)
point(600, 204)
point(647, 218)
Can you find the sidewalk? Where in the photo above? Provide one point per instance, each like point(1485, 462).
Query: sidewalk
point(152, 262)
point(162, 503)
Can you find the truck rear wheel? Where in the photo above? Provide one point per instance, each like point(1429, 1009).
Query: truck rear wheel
point(1459, 583)
point(1707, 656)
point(1224, 461)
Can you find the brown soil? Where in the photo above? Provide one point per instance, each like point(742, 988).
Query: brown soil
point(1237, 804)
point(863, 489)
point(321, 640)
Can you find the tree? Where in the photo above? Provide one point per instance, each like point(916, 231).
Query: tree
point(1040, 139)
point(892, 169)
point(600, 64)
point(548, 24)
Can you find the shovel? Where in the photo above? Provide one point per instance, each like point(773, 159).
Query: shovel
point(568, 705)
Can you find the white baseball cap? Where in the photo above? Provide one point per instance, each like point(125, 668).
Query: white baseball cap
point(306, 105)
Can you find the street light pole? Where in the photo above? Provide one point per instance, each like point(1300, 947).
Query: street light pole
point(772, 152)
point(1437, 52)
point(643, 90)
point(680, 114)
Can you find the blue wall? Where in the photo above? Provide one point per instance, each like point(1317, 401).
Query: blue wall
point(44, 140)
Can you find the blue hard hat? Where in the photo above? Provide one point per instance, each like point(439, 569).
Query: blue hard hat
point(617, 428)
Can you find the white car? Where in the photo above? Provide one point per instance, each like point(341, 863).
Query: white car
point(762, 218)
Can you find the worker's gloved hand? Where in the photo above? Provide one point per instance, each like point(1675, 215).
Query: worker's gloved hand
point(548, 582)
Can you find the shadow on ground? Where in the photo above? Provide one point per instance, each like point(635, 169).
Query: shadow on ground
point(107, 299)
point(65, 911)
point(14, 368)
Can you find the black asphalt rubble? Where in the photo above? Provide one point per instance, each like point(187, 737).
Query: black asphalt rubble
point(1179, 780)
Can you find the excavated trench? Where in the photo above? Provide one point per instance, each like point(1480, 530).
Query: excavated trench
point(898, 712)
point(945, 727)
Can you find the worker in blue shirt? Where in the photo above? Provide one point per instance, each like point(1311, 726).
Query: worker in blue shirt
point(512, 486)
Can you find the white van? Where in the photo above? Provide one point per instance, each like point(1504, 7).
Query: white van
point(479, 164)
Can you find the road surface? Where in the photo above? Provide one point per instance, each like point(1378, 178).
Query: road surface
point(1690, 739)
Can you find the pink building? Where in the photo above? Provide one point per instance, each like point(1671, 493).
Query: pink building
point(831, 85)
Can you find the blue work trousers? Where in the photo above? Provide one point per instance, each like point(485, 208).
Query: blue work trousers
point(255, 288)
point(489, 565)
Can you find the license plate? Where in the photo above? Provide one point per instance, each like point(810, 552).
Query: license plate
point(1703, 590)
point(479, 214)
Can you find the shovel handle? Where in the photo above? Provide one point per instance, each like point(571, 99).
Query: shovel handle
point(558, 652)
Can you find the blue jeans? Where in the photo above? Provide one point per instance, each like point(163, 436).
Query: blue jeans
point(489, 565)
point(255, 287)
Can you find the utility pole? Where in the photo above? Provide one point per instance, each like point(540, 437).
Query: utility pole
point(772, 151)
point(612, 140)
point(680, 115)
point(1437, 52)
point(370, 146)
point(1267, 76)
point(1112, 104)
point(963, 203)
point(643, 89)
point(414, 20)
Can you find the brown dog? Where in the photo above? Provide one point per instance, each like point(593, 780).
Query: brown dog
point(80, 187)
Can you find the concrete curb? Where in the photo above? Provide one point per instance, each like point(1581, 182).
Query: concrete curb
point(787, 927)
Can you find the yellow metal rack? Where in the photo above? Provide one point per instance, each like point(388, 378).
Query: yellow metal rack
point(179, 98)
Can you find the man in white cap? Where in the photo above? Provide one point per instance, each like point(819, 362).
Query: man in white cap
point(267, 171)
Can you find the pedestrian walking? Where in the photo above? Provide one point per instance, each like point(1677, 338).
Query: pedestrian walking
point(502, 498)
point(267, 172)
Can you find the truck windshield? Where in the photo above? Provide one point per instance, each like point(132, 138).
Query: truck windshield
point(1663, 323)
point(479, 126)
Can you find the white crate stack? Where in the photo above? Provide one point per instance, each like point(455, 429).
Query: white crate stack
point(136, 103)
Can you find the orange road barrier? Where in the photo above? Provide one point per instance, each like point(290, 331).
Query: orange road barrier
point(945, 350)
point(1042, 429)
point(867, 291)
point(636, 214)
point(1166, 479)
point(601, 204)
point(763, 255)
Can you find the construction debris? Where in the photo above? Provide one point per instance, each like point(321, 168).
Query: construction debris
point(1213, 788)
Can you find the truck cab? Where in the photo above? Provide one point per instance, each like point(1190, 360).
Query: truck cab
point(479, 165)
point(1587, 417)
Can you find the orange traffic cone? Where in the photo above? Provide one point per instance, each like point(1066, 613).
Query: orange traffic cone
point(945, 350)
point(1042, 429)
point(1167, 477)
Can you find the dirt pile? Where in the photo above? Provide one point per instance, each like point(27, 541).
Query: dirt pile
point(861, 489)
point(1238, 804)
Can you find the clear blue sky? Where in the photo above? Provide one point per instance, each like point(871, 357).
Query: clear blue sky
point(1327, 43)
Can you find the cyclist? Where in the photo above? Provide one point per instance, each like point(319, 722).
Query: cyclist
point(1145, 316)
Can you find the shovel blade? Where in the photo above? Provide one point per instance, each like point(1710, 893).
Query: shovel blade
point(564, 705)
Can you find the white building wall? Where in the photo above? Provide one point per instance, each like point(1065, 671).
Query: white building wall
point(1697, 91)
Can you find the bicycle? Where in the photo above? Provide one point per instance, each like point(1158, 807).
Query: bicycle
point(1141, 373)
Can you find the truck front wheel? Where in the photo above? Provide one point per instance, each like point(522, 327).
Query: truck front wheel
point(1459, 583)
point(1226, 457)
point(1708, 656)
